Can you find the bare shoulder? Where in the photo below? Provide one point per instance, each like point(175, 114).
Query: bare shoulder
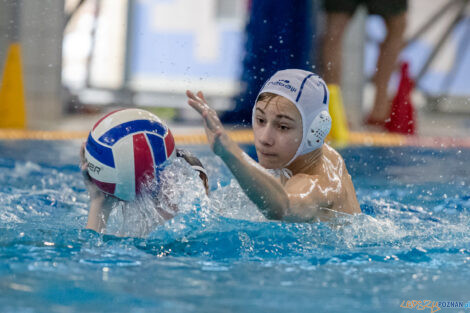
point(307, 199)
point(302, 182)
point(323, 190)
point(325, 179)
point(347, 200)
point(313, 191)
point(333, 155)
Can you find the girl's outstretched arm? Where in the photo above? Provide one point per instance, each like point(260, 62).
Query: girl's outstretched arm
point(258, 184)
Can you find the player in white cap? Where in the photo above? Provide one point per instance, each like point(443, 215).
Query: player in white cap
point(290, 123)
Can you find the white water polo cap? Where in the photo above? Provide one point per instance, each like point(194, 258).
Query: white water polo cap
point(310, 95)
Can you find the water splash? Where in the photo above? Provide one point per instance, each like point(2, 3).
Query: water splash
point(179, 190)
point(413, 235)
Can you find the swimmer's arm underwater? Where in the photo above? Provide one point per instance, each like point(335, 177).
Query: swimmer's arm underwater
point(100, 204)
point(268, 194)
point(100, 208)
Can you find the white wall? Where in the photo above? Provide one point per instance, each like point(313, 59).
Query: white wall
point(40, 35)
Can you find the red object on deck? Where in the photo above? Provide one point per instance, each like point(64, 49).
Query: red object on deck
point(402, 116)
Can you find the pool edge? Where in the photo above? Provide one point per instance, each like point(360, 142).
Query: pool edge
point(245, 136)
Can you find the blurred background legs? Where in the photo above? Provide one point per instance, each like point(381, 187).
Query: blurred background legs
point(332, 50)
point(386, 64)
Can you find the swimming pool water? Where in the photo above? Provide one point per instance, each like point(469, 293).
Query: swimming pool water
point(220, 255)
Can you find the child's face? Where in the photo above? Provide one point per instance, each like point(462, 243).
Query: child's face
point(277, 130)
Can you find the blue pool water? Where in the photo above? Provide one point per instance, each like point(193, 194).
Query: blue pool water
point(220, 255)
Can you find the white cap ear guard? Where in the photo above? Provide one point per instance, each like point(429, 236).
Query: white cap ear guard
point(319, 129)
point(310, 95)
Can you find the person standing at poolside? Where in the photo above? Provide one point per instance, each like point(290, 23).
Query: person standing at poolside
point(290, 123)
point(338, 16)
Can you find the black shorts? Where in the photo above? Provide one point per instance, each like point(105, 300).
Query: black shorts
point(384, 8)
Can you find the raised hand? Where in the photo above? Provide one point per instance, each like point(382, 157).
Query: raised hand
point(216, 135)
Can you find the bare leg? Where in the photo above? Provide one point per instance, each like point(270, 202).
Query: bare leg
point(332, 46)
point(389, 51)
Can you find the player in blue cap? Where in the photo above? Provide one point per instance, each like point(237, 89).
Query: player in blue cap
point(102, 204)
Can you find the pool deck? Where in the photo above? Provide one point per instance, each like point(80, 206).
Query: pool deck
point(433, 130)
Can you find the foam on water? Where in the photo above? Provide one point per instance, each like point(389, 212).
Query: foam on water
point(180, 190)
point(51, 195)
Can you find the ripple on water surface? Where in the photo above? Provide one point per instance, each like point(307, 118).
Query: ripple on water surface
point(219, 250)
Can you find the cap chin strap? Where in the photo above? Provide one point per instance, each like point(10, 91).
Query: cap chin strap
point(282, 171)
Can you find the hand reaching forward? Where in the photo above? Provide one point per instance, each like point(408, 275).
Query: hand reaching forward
point(216, 135)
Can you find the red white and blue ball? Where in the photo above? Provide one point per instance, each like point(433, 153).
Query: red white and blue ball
point(125, 150)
